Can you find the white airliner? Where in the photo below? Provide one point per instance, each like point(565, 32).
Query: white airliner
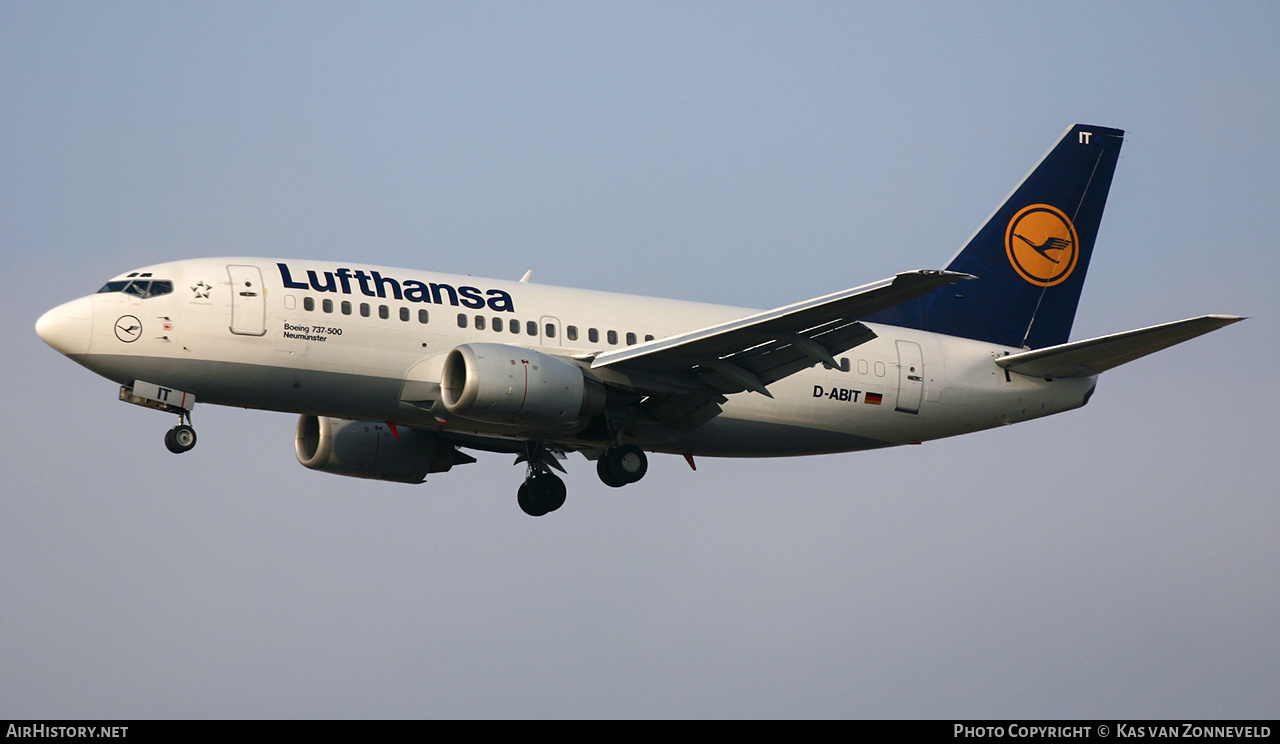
point(395, 371)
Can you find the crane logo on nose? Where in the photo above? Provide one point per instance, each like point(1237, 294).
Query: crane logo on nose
point(128, 329)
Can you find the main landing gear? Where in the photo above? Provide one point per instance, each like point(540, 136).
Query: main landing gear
point(543, 491)
point(180, 438)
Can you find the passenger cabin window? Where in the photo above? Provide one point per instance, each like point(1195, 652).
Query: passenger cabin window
point(328, 306)
point(497, 325)
point(479, 322)
point(346, 307)
point(631, 339)
point(422, 316)
point(514, 326)
point(364, 309)
point(404, 314)
point(308, 303)
point(613, 338)
point(531, 328)
point(462, 320)
point(572, 333)
point(593, 335)
point(384, 312)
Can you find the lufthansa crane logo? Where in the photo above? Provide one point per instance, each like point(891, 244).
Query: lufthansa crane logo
point(1042, 245)
point(128, 329)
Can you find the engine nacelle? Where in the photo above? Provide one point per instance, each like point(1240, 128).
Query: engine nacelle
point(505, 384)
point(363, 449)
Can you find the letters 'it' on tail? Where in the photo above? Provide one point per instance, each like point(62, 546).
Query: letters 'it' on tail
point(1032, 254)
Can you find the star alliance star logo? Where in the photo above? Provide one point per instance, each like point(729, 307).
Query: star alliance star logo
point(201, 290)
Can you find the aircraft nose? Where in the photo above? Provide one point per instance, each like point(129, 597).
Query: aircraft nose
point(68, 327)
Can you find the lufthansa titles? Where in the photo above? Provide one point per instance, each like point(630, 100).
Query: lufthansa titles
point(374, 284)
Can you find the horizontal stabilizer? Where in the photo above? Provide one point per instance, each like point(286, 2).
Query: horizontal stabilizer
point(1096, 355)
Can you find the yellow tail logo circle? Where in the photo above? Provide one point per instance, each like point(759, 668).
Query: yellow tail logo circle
point(1042, 245)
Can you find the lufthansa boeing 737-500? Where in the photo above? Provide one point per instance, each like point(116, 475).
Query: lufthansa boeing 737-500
point(396, 372)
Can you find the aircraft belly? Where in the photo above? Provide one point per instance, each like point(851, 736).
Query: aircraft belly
point(734, 437)
point(274, 388)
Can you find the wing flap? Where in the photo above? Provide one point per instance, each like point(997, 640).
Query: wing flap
point(753, 351)
point(1096, 355)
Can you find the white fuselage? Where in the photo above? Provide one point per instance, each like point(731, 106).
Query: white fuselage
point(368, 343)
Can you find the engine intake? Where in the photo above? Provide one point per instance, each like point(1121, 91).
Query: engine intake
point(503, 384)
point(364, 449)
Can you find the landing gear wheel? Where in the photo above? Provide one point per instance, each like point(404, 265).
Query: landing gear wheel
point(540, 494)
point(180, 438)
point(630, 462)
point(605, 471)
point(528, 500)
point(553, 491)
point(622, 465)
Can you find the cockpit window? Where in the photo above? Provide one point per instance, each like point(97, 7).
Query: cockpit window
point(139, 288)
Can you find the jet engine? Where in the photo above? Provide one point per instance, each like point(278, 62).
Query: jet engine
point(502, 384)
point(365, 449)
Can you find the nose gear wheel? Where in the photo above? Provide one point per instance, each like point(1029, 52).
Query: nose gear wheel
point(180, 438)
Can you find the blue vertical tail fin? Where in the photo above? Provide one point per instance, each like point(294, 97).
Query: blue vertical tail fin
point(1032, 254)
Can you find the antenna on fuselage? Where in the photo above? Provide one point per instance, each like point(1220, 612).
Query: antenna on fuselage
point(525, 279)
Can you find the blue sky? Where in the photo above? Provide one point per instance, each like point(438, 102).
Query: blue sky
point(1117, 561)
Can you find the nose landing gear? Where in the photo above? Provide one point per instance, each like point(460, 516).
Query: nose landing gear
point(182, 437)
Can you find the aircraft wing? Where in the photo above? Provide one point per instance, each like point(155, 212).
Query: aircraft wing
point(1096, 355)
point(753, 351)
